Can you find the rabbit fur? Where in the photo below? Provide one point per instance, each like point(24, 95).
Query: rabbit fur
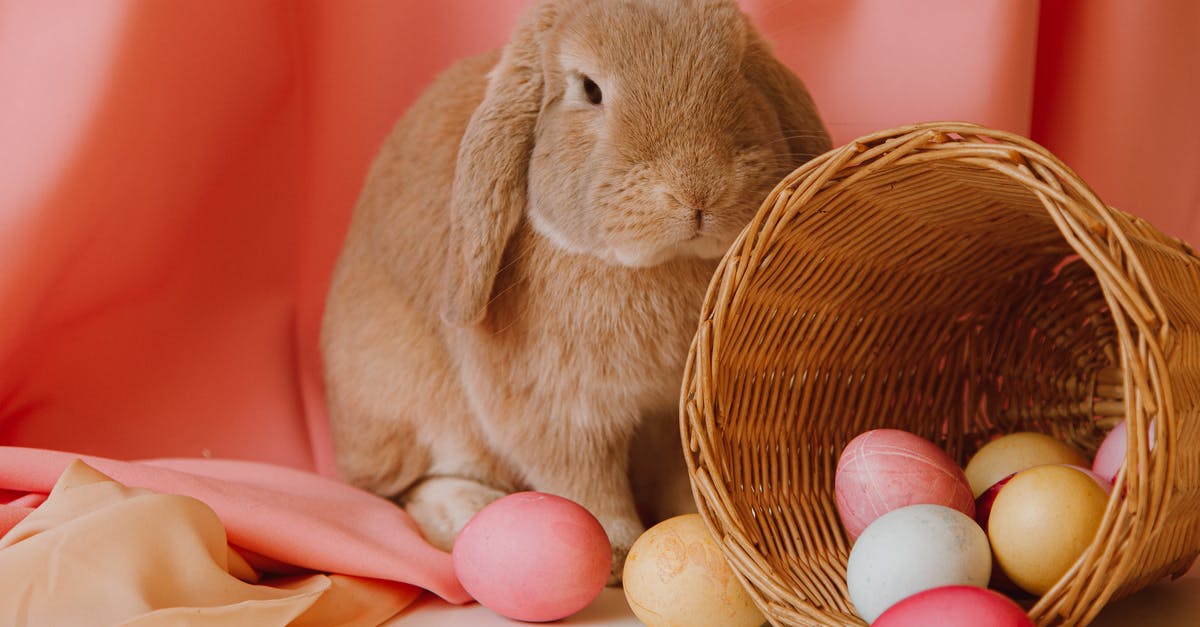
point(522, 275)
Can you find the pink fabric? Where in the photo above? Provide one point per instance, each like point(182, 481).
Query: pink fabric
point(286, 516)
point(176, 178)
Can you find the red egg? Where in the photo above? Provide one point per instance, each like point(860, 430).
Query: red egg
point(983, 504)
point(983, 511)
point(955, 606)
point(886, 469)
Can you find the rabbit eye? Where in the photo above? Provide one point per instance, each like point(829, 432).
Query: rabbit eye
point(592, 91)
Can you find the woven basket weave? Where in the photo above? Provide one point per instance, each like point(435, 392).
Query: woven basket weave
point(957, 282)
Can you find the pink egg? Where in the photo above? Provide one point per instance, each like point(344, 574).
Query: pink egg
point(1100, 481)
point(885, 469)
point(955, 606)
point(1111, 453)
point(533, 557)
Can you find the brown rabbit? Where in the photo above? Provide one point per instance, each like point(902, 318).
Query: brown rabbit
point(524, 268)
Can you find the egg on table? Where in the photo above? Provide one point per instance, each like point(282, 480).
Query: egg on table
point(676, 576)
point(533, 556)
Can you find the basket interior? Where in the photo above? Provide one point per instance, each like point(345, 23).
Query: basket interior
point(940, 298)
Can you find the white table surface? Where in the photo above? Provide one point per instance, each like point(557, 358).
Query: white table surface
point(1165, 604)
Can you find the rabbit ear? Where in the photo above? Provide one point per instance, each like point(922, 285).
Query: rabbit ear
point(489, 193)
point(798, 118)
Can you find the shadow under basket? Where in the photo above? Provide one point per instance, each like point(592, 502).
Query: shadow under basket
point(957, 282)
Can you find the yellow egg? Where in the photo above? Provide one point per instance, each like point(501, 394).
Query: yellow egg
point(1043, 519)
point(1016, 452)
point(676, 576)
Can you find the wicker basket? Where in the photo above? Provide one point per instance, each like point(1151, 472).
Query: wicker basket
point(957, 282)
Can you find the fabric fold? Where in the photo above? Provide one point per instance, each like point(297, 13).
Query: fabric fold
point(101, 553)
point(274, 514)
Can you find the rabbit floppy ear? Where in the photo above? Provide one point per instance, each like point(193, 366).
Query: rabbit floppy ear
point(489, 193)
point(798, 118)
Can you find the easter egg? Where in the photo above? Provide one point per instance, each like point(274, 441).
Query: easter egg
point(1015, 452)
point(1104, 484)
point(1042, 521)
point(983, 512)
point(955, 606)
point(533, 557)
point(885, 469)
point(912, 549)
point(983, 504)
point(676, 576)
point(1111, 453)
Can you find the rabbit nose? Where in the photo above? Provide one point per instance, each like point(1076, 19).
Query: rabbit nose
point(700, 218)
point(699, 213)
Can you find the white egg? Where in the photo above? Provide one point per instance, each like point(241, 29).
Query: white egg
point(912, 549)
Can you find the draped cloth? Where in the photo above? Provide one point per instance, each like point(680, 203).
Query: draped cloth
point(101, 541)
point(98, 552)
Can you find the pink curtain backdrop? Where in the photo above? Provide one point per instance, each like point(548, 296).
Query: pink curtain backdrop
point(176, 177)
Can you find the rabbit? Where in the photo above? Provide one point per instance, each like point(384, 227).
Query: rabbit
point(523, 271)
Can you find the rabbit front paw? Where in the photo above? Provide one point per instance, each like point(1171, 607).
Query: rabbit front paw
point(442, 506)
point(621, 534)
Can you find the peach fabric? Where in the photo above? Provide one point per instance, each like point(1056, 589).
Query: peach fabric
point(281, 519)
point(131, 556)
point(176, 178)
